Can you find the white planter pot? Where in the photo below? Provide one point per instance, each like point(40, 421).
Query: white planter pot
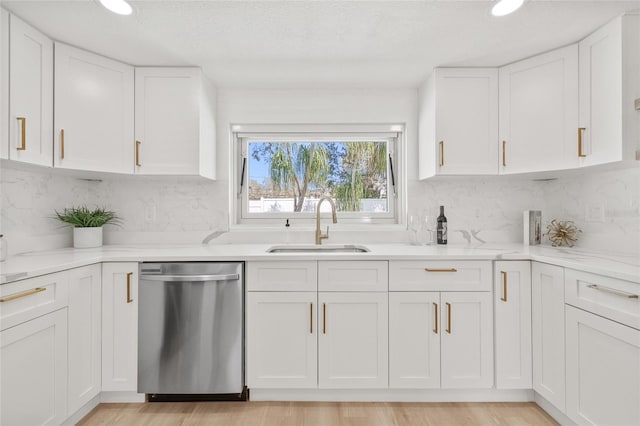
point(87, 237)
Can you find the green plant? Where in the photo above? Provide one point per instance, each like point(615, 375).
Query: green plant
point(82, 217)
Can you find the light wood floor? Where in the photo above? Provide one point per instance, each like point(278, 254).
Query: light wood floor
point(318, 413)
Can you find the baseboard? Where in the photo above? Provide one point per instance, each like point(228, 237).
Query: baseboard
point(82, 411)
point(551, 410)
point(393, 395)
point(111, 397)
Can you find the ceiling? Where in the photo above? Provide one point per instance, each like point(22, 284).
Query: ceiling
point(318, 44)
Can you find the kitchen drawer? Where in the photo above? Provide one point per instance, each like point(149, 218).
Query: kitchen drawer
point(440, 275)
point(282, 276)
point(24, 300)
point(353, 275)
point(609, 297)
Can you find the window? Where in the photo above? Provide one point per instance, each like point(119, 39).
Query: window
point(284, 175)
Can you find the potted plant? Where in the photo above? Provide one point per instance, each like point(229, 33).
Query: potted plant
point(87, 224)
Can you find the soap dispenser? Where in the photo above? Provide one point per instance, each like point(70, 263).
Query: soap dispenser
point(287, 232)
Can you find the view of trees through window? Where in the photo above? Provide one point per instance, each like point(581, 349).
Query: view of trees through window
point(293, 176)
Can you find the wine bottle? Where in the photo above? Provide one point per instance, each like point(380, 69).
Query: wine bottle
point(442, 227)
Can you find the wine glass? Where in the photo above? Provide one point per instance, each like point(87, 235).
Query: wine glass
point(429, 227)
point(414, 226)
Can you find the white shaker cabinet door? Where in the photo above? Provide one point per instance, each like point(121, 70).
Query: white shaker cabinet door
point(31, 95)
point(414, 340)
point(353, 340)
point(547, 315)
point(282, 340)
point(512, 295)
point(466, 340)
point(94, 112)
point(4, 84)
point(119, 326)
point(34, 371)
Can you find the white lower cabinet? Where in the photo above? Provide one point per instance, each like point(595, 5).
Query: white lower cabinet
point(512, 296)
point(34, 371)
point(282, 340)
point(85, 342)
point(547, 310)
point(120, 326)
point(353, 340)
point(603, 370)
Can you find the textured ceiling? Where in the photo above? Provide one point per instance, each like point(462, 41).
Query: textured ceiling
point(318, 44)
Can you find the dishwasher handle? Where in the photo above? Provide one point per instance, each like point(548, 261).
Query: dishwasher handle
point(190, 278)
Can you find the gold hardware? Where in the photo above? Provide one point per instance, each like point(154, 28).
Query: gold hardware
point(138, 153)
point(23, 134)
point(324, 318)
point(580, 132)
point(504, 286)
point(24, 294)
point(62, 143)
point(504, 153)
point(613, 291)
point(441, 153)
point(435, 317)
point(311, 318)
point(319, 235)
point(441, 270)
point(448, 330)
point(129, 275)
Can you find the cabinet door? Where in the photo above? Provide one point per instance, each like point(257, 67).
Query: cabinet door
point(4, 84)
point(94, 112)
point(85, 335)
point(34, 371)
point(539, 112)
point(603, 370)
point(547, 316)
point(467, 340)
point(353, 340)
point(31, 96)
point(119, 326)
point(512, 295)
point(467, 120)
point(414, 340)
point(282, 340)
point(167, 125)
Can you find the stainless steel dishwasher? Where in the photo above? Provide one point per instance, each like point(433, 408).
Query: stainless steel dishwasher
point(190, 328)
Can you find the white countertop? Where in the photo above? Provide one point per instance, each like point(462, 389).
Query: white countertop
point(27, 265)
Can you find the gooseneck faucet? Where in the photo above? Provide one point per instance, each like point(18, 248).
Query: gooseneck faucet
point(319, 235)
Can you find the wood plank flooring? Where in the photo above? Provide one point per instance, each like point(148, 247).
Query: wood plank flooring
point(318, 413)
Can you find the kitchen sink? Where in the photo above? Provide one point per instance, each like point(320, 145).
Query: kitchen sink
point(311, 248)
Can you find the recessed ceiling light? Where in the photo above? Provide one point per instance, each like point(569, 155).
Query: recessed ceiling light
point(121, 7)
point(505, 7)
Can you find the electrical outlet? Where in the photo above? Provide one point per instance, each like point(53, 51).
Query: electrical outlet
point(594, 213)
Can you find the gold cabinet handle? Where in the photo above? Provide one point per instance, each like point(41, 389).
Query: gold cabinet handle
point(448, 330)
point(613, 291)
point(23, 294)
point(441, 270)
point(311, 318)
point(504, 153)
point(23, 133)
point(580, 133)
point(324, 318)
point(504, 286)
point(138, 153)
point(62, 143)
point(129, 275)
point(441, 153)
point(435, 317)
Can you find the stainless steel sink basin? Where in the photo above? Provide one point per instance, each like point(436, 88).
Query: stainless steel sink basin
point(310, 248)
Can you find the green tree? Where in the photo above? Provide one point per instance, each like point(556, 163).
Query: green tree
point(364, 167)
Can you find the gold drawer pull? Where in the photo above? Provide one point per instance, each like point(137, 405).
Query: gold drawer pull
point(23, 294)
point(311, 318)
point(441, 153)
point(580, 133)
point(504, 286)
point(448, 330)
point(23, 133)
point(613, 291)
point(441, 270)
point(504, 153)
point(435, 317)
point(138, 153)
point(62, 143)
point(129, 275)
point(324, 318)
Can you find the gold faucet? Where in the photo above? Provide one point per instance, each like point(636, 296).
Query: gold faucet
point(319, 235)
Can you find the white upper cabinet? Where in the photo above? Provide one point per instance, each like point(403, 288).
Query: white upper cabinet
point(458, 129)
point(4, 84)
point(174, 122)
point(539, 113)
point(31, 94)
point(94, 112)
point(609, 84)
